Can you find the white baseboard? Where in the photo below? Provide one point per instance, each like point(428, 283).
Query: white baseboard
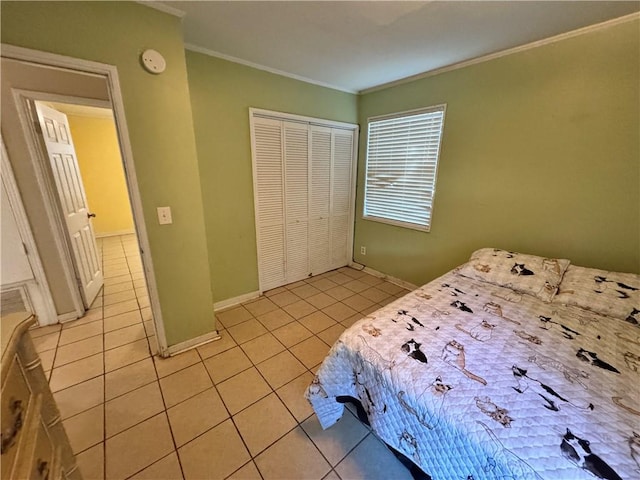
point(116, 233)
point(384, 276)
point(189, 344)
point(232, 302)
point(67, 317)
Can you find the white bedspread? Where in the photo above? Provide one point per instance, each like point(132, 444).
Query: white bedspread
point(474, 381)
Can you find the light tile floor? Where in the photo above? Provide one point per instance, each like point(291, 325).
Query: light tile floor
point(232, 408)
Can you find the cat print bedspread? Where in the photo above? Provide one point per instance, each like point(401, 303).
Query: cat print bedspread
point(475, 381)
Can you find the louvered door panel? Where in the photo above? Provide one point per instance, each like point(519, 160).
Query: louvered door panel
point(341, 200)
point(320, 199)
point(296, 152)
point(269, 199)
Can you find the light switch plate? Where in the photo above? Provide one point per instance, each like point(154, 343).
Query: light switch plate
point(164, 216)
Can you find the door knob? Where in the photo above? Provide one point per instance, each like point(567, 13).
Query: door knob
point(90, 215)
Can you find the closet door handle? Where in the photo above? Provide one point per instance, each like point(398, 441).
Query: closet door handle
point(91, 215)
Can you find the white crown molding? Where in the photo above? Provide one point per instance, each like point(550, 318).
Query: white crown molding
point(163, 8)
point(504, 53)
point(257, 66)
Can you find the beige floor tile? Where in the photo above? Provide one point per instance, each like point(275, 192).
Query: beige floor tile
point(339, 278)
point(339, 292)
point(338, 440)
point(339, 311)
point(233, 316)
point(261, 306)
point(137, 276)
point(132, 408)
point(122, 320)
point(375, 294)
point(358, 302)
point(196, 415)
point(184, 384)
point(47, 359)
point(292, 395)
point(126, 355)
point(150, 328)
point(90, 316)
point(85, 429)
point(261, 348)
point(80, 397)
point(318, 321)
point(146, 314)
point(299, 309)
point(347, 322)
point(281, 369)
point(240, 391)
point(354, 273)
point(292, 333)
point(305, 291)
point(167, 366)
point(263, 423)
point(322, 284)
point(390, 288)
point(293, 456)
point(217, 346)
point(284, 298)
point(245, 331)
point(122, 307)
point(310, 351)
point(70, 335)
point(118, 297)
point(116, 262)
point(125, 335)
point(129, 378)
point(47, 329)
point(371, 280)
point(118, 287)
point(115, 280)
point(331, 476)
point(139, 283)
point(294, 285)
point(356, 286)
point(227, 364)
point(215, 454)
point(46, 342)
point(372, 460)
point(275, 291)
point(331, 334)
point(97, 302)
point(321, 300)
point(275, 319)
point(248, 472)
point(167, 468)
point(138, 447)
point(77, 350)
point(142, 292)
point(91, 462)
point(143, 302)
point(76, 372)
point(370, 309)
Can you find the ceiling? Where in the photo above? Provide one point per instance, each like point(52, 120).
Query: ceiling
point(354, 46)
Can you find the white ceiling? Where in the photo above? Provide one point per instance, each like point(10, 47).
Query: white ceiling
point(355, 46)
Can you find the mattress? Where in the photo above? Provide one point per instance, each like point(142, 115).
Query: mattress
point(472, 380)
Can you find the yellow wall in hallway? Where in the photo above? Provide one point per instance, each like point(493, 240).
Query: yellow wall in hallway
point(96, 144)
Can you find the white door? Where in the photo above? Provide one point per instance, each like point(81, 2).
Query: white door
point(341, 198)
point(66, 173)
point(15, 266)
point(320, 199)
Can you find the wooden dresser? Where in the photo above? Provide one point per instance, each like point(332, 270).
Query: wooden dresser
point(34, 443)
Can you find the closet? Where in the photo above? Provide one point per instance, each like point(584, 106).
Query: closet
point(304, 192)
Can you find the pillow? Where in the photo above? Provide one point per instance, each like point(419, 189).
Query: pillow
point(612, 294)
point(523, 273)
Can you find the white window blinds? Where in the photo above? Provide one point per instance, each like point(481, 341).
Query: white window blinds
point(402, 162)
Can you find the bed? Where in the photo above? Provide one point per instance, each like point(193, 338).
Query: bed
point(509, 366)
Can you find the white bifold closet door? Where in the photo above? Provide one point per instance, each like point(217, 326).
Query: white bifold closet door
point(303, 187)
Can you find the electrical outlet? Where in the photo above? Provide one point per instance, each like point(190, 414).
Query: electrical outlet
point(363, 250)
point(164, 216)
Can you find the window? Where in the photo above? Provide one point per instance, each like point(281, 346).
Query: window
point(402, 162)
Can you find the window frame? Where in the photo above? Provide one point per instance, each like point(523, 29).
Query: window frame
point(442, 107)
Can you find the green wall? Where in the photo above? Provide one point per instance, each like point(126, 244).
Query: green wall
point(160, 124)
point(221, 94)
point(540, 154)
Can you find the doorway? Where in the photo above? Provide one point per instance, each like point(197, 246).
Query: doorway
point(77, 82)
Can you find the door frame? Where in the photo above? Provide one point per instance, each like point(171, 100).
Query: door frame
point(37, 291)
point(110, 74)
